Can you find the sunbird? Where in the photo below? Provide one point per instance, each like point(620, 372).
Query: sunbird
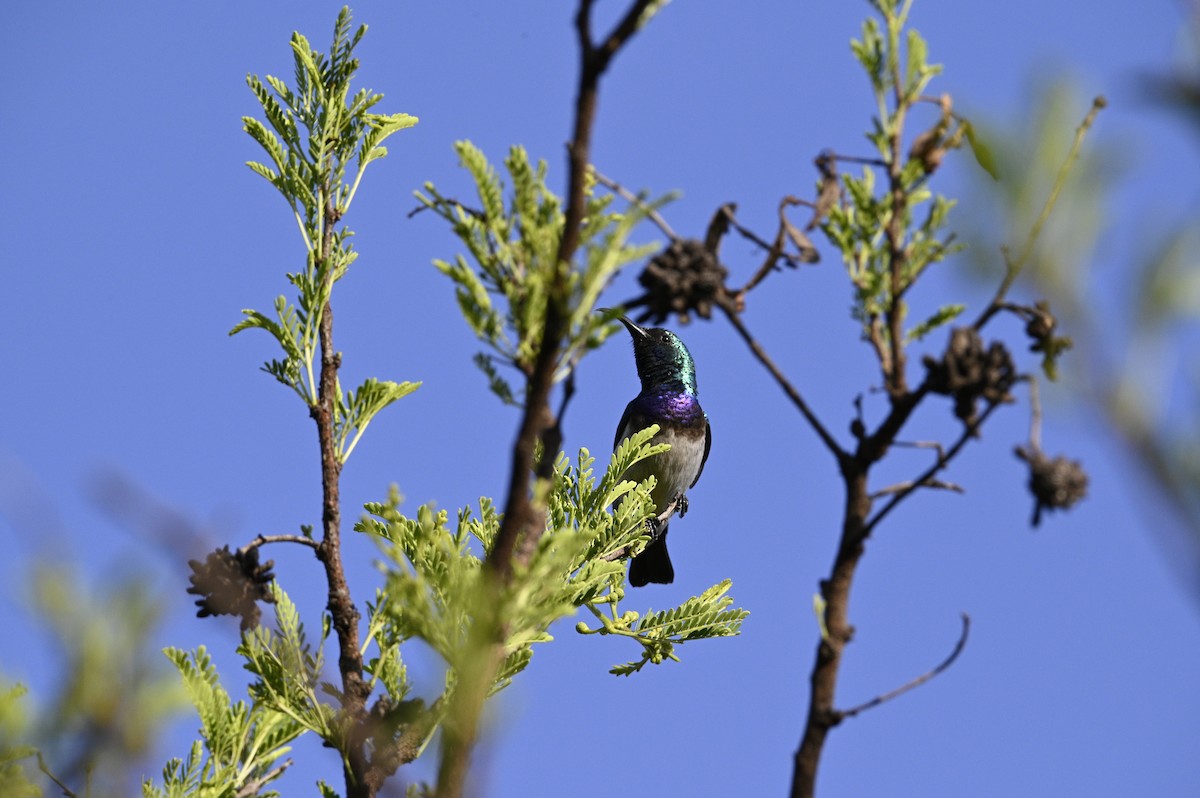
point(668, 399)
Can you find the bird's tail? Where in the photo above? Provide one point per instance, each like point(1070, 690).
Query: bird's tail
point(653, 564)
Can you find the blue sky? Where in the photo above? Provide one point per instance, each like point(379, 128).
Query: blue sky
point(134, 235)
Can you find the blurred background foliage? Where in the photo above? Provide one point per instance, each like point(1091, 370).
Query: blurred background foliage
point(98, 728)
point(1134, 316)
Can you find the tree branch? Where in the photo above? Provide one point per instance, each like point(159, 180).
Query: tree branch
point(342, 609)
point(523, 521)
point(830, 442)
point(634, 199)
point(263, 540)
point(969, 431)
point(1013, 267)
point(659, 520)
point(837, 631)
point(917, 682)
point(911, 485)
point(42, 766)
point(251, 788)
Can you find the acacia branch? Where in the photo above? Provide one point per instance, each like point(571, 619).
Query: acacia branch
point(520, 517)
point(342, 610)
point(657, 523)
point(524, 521)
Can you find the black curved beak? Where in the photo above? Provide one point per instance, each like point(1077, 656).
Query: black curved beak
point(634, 330)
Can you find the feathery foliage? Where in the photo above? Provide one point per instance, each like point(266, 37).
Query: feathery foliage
point(502, 290)
point(320, 139)
point(240, 743)
point(434, 578)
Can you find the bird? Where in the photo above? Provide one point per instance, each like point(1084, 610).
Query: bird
point(669, 399)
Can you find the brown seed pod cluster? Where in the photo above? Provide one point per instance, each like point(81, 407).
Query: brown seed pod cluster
point(684, 277)
point(232, 583)
point(968, 372)
point(1055, 482)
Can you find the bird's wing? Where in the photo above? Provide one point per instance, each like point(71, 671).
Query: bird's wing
point(626, 418)
point(707, 446)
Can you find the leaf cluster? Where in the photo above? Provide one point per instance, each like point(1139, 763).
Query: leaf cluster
point(435, 579)
point(890, 231)
point(240, 743)
point(503, 288)
point(320, 138)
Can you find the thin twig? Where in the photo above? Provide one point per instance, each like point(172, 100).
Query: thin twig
point(917, 682)
point(42, 766)
point(935, 445)
point(252, 787)
point(262, 540)
point(858, 159)
point(660, 520)
point(774, 251)
point(826, 438)
point(1013, 267)
point(942, 461)
point(467, 209)
point(911, 486)
point(634, 199)
point(1035, 415)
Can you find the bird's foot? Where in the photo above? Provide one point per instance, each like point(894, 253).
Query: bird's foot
point(655, 527)
point(681, 505)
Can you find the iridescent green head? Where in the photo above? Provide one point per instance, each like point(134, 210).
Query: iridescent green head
point(662, 359)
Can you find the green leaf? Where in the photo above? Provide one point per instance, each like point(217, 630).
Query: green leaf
point(981, 151)
point(355, 410)
point(496, 383)
point(486, 182)
point(915, 68)
point(943, 315)
point(698, 617)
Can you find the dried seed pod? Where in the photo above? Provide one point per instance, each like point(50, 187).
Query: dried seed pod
point(231, 583)
point(968, 372)
point(684, 277)
point(1056, 483)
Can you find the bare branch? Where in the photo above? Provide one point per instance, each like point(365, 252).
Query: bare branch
point(935, 445)
point(42, 766)
point(917, 682)
point(1013, 267)
point(1035, 414)
point(251, 788)
point(263, 540)
point(911, 486)
point(943, 460)
point(858, 159)
point(830, 442)
point(775, 249)
point(634, 199)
